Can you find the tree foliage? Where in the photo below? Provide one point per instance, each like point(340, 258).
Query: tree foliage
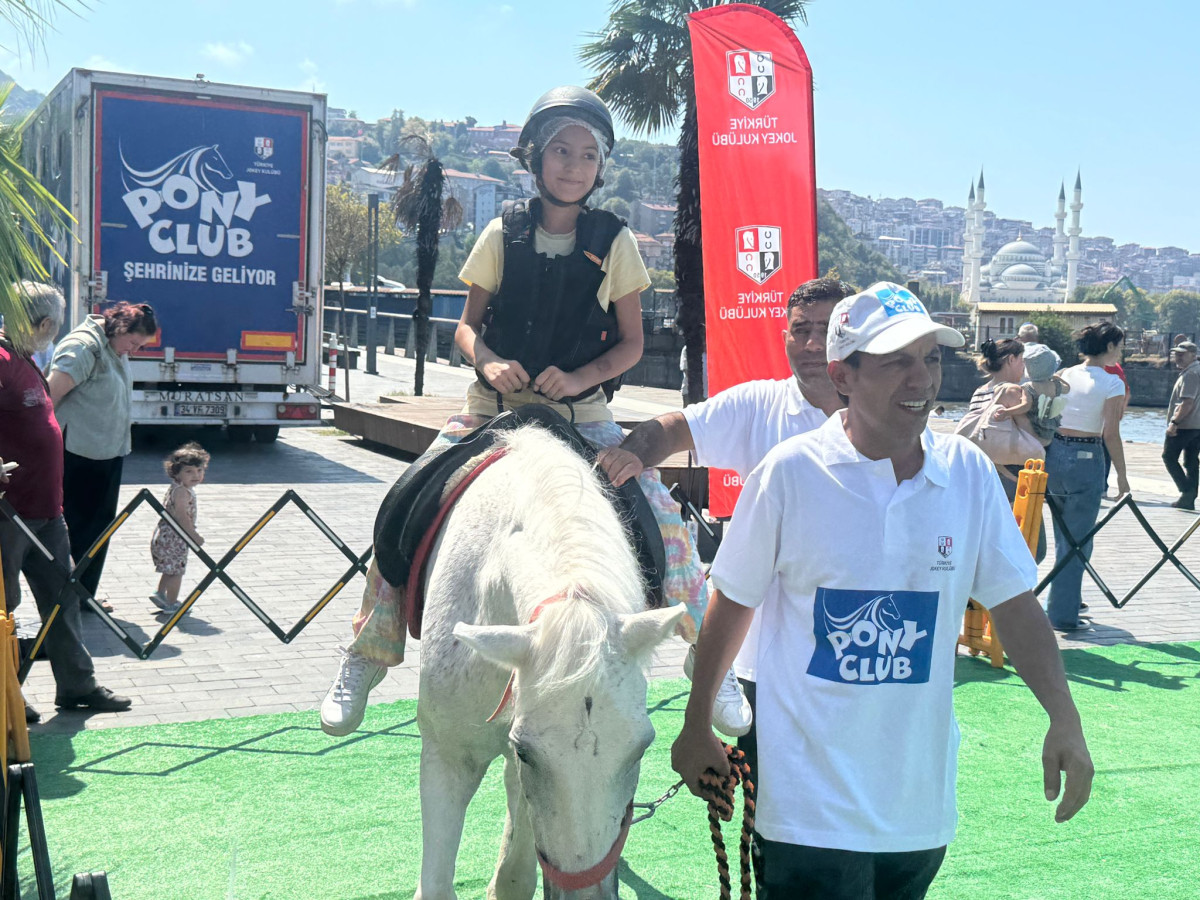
point(1055, 332)
point(1179, 312)
point(345, 232)
point(837, 247)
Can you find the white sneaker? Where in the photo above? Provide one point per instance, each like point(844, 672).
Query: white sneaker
point(732, 715)
point(342, 709)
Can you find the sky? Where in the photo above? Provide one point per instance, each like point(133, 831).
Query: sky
point(911, 100)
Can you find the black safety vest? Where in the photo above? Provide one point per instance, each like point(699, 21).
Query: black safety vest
point(546, 312)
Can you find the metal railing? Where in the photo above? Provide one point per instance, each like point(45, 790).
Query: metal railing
point(391, 320)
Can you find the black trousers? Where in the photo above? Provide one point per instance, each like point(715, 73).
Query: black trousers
point(90, 491)
point(1185, 441)
point(817, 873)
point(74, 674)
point(748, 744)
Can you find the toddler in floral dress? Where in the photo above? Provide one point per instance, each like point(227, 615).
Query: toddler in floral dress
point(185, 467)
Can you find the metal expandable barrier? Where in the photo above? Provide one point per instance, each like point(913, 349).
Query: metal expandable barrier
point(1168, 553)
point(217, 571)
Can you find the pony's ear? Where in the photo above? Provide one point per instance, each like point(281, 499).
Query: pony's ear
point(642, 632)
point(505, 645)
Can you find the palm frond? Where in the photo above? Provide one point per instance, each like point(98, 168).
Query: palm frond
point(27, 209)
point(31, 19)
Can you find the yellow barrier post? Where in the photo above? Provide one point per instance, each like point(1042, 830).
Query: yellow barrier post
point(977, 634)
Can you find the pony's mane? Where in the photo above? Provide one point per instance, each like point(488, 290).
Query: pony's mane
point(571, 541)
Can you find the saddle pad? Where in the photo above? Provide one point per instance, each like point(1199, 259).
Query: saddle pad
point(413, 501)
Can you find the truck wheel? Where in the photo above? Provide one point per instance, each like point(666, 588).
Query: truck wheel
point(266, 434)
point(240, 434)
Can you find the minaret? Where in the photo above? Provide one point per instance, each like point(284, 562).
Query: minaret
point(968, 247)
point(1073, 255)
point(977, 247)
point(1058, 261)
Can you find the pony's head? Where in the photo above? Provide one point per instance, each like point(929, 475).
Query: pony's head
point(577, 743)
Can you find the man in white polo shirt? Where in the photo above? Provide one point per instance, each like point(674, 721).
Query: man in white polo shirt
point(735, 429)
point(862, 541)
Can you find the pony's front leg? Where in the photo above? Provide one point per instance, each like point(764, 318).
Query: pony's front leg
point(516, 871)
point(447, 785)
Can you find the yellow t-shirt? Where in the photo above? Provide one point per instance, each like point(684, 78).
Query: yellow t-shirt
point(625, 273)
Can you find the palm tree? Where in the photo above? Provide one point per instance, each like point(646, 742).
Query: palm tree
point(643, 65)
point(28, 213)
point(418, 205)
point(22, 200)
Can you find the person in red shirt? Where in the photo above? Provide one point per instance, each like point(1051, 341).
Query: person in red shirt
point(32, 439)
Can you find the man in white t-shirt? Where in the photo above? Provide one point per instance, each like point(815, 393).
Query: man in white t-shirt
point(736, 428)
point(862, 541)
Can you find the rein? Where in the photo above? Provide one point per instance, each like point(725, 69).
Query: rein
point(720, 793)
point(414, 590)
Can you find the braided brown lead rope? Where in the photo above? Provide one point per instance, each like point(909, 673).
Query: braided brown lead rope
point(720, 792)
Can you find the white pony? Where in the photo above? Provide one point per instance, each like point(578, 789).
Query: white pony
point(534, 537)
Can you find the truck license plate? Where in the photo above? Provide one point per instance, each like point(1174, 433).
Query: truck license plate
point(208, 410)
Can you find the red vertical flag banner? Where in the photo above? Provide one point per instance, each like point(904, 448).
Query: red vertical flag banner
point(758, 194)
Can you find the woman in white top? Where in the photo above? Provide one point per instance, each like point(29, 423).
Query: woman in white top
point(1091, 422)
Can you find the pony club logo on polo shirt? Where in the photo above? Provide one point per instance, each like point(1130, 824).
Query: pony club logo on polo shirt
point(873, 637)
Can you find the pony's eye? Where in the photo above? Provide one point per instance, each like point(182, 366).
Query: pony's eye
point(523, 754)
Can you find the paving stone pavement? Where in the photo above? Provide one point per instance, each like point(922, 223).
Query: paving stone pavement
point(222, 661)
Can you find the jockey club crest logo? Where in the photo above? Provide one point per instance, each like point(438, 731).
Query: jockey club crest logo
point(945, 545)
point(751, 76)
point(264, 147)
point(759, 251)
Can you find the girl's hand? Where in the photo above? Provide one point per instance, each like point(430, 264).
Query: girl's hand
point(554, 384)
point(1122, 486)
point(505, 375)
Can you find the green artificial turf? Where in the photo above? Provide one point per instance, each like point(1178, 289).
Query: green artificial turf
point(269, 807)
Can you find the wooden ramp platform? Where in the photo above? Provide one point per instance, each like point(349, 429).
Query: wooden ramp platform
point(409, 424)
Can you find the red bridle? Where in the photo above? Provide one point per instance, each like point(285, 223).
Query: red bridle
point(571, 881)
point(577, 881)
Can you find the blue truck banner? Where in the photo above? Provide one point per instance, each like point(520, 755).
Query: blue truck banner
point(873, 637)
point(201, 210)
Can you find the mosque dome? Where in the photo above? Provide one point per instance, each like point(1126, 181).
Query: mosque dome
point(1020, 248)
point(1021, 271)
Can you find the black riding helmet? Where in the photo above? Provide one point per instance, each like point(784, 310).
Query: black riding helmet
point(567, 100)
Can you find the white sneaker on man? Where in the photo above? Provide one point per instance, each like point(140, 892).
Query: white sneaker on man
point(732, 715)
point(342, 709)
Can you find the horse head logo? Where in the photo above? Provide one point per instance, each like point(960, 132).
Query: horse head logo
point(881, 612)
point(201, 164)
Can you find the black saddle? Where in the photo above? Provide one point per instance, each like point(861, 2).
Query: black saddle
point(411, 505)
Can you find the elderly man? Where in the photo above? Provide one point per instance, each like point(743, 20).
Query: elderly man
point(32, 439)
point(1183, 426)
point(861, 542)
point(1028, 333)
